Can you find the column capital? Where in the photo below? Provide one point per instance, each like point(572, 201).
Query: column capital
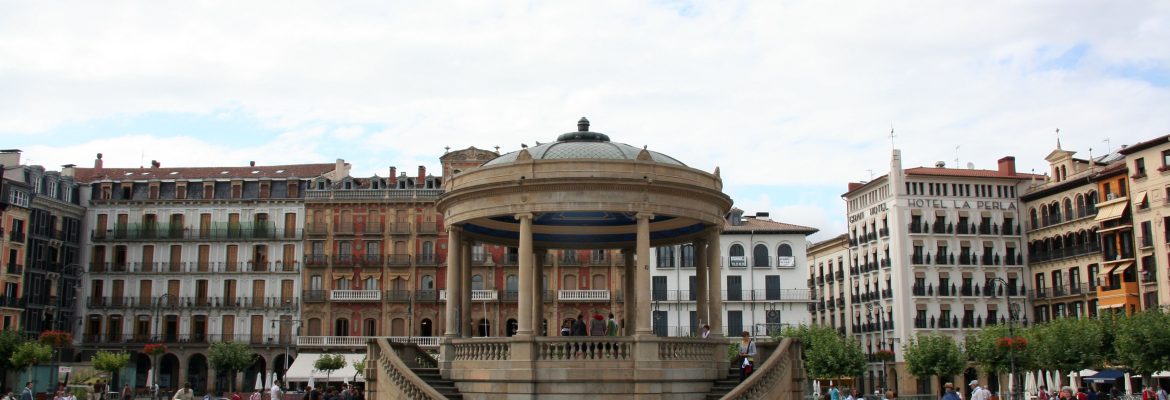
point(526, 215)
point(644, 215)
point(454, 227)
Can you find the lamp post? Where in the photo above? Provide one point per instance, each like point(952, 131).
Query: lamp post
point(287, 344)
point(1013, 310)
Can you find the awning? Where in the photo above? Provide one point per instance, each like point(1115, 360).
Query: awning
point(1141, 198)
point(1108, 375)
point(302, 368)
point(1119, 269)
point(1112, 209)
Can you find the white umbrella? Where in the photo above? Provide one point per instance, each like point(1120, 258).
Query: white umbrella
point(1011, 386)
point(1072, 381)
point(273, 379)
point(1030, 383)
point(1051, 381)
point(312, 382)
point(150, 378)
point(1128, 384)
point(1056, 377)
point(259, 381)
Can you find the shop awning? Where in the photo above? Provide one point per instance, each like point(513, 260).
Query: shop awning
point(1112, 209)
point(1108, 375)
point(1141, 198)
point(1119, 269)
point(302, 368)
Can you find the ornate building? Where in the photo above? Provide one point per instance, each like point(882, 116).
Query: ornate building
point(15, 203)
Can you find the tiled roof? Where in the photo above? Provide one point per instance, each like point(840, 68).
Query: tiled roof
point(86, 175)
point(967, 173)
point(765, 226)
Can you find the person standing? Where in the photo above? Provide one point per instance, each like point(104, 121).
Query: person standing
point(1066, 393)
point(185, 393)
point(949, 392)
point(834, 394)
point(275, 393)
point(27, 393)
point(747, 350)
point(566, 329)
point(706, 331)
point(611, 327)
point(127, 392)
point(1161, 393)
point(579, 326)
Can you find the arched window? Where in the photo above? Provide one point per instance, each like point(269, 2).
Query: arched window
point(1054, 209)
point(784, 256)
point(427, 283)
point(598, 282)
point(425, 328)
point(1068, 208)
point(736, 256)
point(512, 284)
point(370, 284)
point(1092, 201)
point(341, 327)
point(370, 327)
point(476, 282)
point(760, 256)
point(1082, 207)
point(1033, 218)
point(428, 248)
point(688, 256)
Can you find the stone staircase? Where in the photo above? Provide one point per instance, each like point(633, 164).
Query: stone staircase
point(723, 386)
point(443, 386)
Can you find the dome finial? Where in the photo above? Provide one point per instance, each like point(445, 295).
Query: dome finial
point(582, 125)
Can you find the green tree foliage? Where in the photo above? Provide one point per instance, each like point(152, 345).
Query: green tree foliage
point(9, 341)
point(1141, 342)
point(28, 354)
point(827, 355)
point(110, 362)
point(231, 357)
point(1069, 344)
point(329, 363)
point(987, 349)
point(934, 355)
point(360, 367)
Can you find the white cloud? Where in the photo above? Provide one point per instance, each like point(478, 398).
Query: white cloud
point(775, 93)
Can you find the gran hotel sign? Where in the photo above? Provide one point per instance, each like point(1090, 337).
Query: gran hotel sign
point(939, 204)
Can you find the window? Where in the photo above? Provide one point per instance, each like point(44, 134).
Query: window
point(1139, 167)
point(664, 256)
point(658, 288)
point(772, 287)
point(476, 282)
point(19, 198)
point(734, 288)
point(427, 283)
point(760, 256)
point(737, 258)
point(784, 256)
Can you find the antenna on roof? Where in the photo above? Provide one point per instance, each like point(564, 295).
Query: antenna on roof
point(870, 174)
point(1108, 146)
point(1058, 138)
point(957, 155)
point(446, 149)
point(892, 136)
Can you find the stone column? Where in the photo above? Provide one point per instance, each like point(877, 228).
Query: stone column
point(643, 326)
point(630, 297)
point(454, 239)
point(538, 291)
point(714, 283)
point(701, 263)
point(469, 328)
point(524, 302)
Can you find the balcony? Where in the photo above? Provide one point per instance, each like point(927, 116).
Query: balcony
point(427, 260)
point(398, 260)
point(14, 269)
point(215, 232)
point(314, 296)
point(762, 262)
point(479, 259)
point(12, 302)
point(359, 342)
point(428, 228)
point(373, 228)
point(400, 228)
point(316, 260)
point(375, 194)
point(397, 296)
point(343, 229)
point(194, 267)
point(583, 295)
point(1060, 254)
point(316, 229)
point(344, 260)
point(430, 295)
point(193, 303)
point(355, 295)
point(484, 295)
point(119, 339)
point(569, 258)
point(737, 262)
point(16, 236)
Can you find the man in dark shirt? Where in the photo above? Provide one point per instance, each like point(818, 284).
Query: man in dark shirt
point(579, 326)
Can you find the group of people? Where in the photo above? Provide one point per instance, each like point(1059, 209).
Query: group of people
point(347, 392)
point(597, 327)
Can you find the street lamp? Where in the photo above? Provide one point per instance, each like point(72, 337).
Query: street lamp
point(287, 344)
point(162, 301)
point(1013, 310)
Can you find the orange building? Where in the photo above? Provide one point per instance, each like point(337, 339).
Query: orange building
point(1117, 284)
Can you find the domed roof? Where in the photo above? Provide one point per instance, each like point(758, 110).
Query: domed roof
point(586, 145)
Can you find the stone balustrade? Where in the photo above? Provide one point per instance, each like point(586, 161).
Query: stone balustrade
point(393, 377)
point(685, 349)
point(584, 348)
point(355, 295)
point(780, 376)
point(583, 295)
point(483, 350)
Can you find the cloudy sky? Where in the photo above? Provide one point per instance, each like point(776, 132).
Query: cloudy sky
point(791, 99)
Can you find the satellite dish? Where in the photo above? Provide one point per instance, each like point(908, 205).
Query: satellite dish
point(970, 165)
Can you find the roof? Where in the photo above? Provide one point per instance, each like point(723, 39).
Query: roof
point(968, 173)
point(584, 145)
point(1139, 146)
point(758, 226)
point(839, 240)
point(255, 172)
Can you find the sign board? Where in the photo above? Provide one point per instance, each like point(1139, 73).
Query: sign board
point(787, 261)
point(64, 370)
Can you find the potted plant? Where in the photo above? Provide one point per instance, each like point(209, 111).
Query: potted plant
point(56, 338)
point(154, 349)
point(884, 355)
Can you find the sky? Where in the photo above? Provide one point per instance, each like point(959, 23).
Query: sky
point(791, 100)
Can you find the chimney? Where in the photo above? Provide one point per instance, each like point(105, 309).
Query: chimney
point(762, 214)
point(1007, 166)
point(10, 157)
point(393, 177)
point(736, 217)
point(155, 164)
point(97, 164)
point(68, 170)
point(251, 163)
point(422, 176)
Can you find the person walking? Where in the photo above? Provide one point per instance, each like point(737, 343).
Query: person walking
point(27, 393)
point(834, 394)
point(978, 393)
point(185, 393)
point(127, 392)
point(275, 393)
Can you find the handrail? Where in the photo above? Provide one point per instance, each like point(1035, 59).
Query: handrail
point(763, 383)
point(400, 376)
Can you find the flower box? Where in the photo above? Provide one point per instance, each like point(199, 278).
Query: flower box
point(154, 349)
point(56, 338)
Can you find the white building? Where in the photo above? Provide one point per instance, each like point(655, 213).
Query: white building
point(764, 271)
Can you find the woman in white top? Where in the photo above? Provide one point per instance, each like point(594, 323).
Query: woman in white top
point(747, 350)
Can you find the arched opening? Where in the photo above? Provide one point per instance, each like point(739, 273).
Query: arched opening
point(398, 327)
point(256, 370)
point(736, 256)
point(485, 327)
point(760, 256)
point(168, 371)
point(340, 327)
point(370, 327)
point(784, 256)
point(425, 328)
point(477, 282)
point(197, 373)
point(142, 366)
point(512, 327)
point(512, 286)
point(280, 365)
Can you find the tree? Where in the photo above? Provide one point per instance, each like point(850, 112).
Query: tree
point(827, 355)
point(231, 357)
point(1069, 344)
point(360, 367)
point(9, 341)
point(1141, 342)
point(329, 363)
point(111, 362)
point(993, 347)
point(28, 354)
point(934, 355)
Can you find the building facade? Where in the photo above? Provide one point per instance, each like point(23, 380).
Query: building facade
point(15, 211)
point(192, 256)
point(936, 250)
point(826, 278)
point(1149, 165)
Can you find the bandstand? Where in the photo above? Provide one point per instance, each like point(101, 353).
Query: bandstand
point(580, 192)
